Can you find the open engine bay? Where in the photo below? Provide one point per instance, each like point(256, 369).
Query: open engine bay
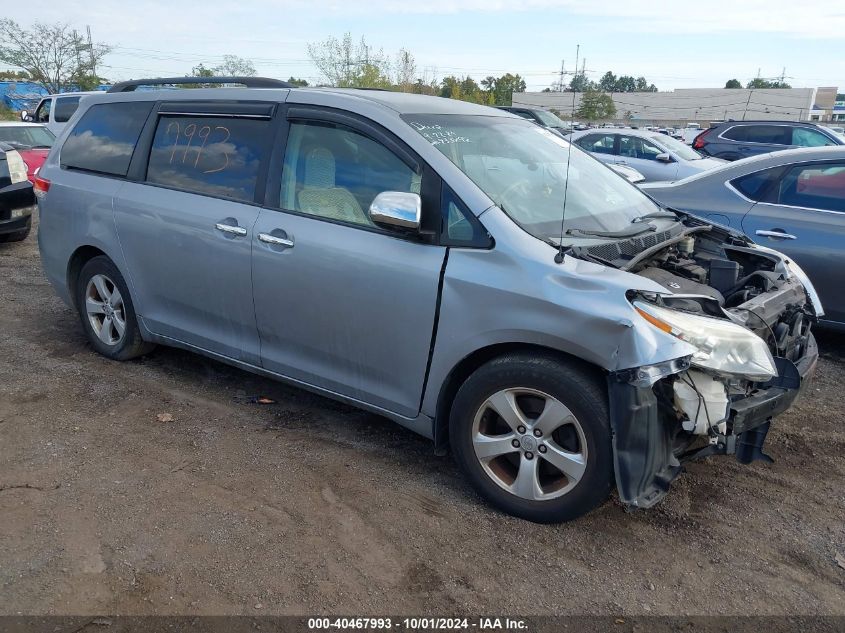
point(722, 398)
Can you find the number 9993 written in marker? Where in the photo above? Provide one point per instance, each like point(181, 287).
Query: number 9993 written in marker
point(189, 144)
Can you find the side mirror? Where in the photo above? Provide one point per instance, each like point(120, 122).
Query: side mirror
point(664, 157)
point(397, 209)
point(25, 116)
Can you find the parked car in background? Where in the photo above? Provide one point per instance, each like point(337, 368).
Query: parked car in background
point(629, 173)
point(733, 140)
point(17, 201)
point(54, 111)
point(656, 156)
point(32, 141)
point(792, 201)
point(543, 118)
point(413, 256)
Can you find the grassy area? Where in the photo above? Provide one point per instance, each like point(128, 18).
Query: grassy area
point(6, 114)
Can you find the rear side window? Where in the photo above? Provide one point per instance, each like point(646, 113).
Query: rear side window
point(754, 186)
point(65, 107)
point(768, 134)
point(806, 137)
point(105, 137)
point(212, 155)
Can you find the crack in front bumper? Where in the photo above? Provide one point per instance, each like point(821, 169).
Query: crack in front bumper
point(643, 435)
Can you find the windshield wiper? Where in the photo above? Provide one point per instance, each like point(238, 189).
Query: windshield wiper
point(628, 232)
point(655, 215)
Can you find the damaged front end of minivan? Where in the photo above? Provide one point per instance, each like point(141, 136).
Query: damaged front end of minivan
point(746, 314)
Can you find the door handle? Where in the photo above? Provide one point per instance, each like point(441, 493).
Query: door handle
point(621, 162)
point(232, 230)
point(275, 241)
point(777, 234)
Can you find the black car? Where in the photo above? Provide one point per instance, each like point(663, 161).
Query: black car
point(733, 140)
point(543, 118)
point(17, 199)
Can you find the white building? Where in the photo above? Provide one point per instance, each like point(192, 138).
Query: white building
point(685, 105)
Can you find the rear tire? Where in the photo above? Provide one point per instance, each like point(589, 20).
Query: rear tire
point(532, 434)
point(106, 311)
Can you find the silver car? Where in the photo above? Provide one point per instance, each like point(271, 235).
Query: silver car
point(658, 157)
point(792, 200)
point(452, 267)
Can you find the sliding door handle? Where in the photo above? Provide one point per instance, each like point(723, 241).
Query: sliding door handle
point(231, 230)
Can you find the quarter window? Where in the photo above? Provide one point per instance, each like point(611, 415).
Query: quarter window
point(333, 172)
point(754, 186)
point(104, 138)
point(460, 227)
point(814, 186)
point(805, 137)
point(217, 156)
point(65, 107)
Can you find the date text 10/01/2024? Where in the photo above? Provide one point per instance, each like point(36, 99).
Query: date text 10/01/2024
point(418, 624)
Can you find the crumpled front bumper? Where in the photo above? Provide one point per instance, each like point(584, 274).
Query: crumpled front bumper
point(643, 435)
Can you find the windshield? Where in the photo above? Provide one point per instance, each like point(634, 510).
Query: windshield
point(549, 119)
point(681, 149)
point(26, 136)
point(523, 169)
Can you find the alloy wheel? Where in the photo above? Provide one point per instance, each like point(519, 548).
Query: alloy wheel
point(529, 443)
point(105, 309)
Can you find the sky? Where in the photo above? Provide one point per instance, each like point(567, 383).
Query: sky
point(672, 44)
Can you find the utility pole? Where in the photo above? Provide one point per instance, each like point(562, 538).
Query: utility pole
point(562, 74)
point(91, 51)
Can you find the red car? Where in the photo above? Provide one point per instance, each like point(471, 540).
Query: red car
point(32, 141)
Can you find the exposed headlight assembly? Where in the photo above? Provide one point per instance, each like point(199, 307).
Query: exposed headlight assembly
point(721, 346)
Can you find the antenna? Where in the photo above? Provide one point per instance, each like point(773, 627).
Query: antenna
point(559, 256)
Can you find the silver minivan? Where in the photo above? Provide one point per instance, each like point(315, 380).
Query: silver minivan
point(450, 266)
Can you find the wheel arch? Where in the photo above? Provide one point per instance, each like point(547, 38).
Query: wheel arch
point(467, 365)
point(77, 260)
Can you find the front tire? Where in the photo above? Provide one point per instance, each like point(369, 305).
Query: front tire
point(106, 311)
point(532, 434)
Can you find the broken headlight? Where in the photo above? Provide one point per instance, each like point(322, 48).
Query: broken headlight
point(721, 346)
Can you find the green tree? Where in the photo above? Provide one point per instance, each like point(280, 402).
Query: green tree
point(53, 55)
point(347, 65)
point(298, 82)
point(733, 83)
point(504, 87)
point(406, 71)
point(596, 105)
point(580, 83)
point(234, 66)
point(759, 83)
point(14, 75)
point(626, 83)
point(608, 82)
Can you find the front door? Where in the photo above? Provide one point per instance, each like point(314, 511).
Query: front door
point(804, 217)
point(641, 154)
point(187, 231)
point(340, 303)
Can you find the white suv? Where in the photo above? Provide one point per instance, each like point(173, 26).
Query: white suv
point(54, 111)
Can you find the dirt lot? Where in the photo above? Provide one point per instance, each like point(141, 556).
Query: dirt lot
point(308, 506)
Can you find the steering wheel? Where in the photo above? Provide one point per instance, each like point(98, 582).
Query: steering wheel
point(520, 185)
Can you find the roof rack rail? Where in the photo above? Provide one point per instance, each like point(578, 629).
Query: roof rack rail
point(249, 82)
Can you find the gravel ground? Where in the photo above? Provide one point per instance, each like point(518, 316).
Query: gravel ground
point(308, 506)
